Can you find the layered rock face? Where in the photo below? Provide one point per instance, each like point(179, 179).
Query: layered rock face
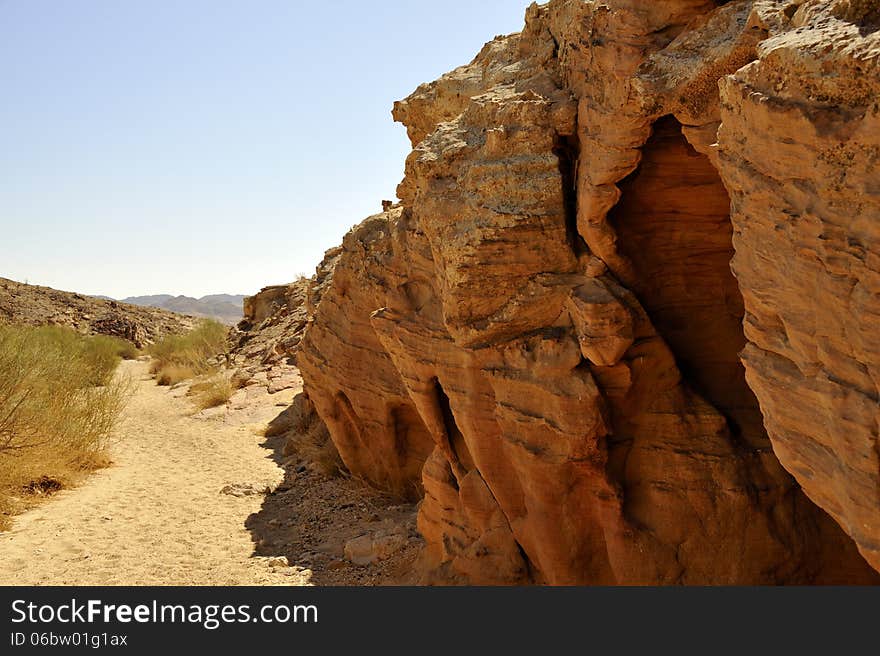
point(543, 339)
point(800, 152)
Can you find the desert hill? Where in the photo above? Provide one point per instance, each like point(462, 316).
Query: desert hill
point(34, 305)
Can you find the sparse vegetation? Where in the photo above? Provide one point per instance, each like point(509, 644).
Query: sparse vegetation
point(315, 446)
point(58, 403)
point(125, 349)
point(212, 392)
point(101, 355)
point(307, 436)
point(180, 357)
point(171, 374)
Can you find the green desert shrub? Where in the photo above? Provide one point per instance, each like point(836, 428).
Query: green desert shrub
point(102, 356)
point(59, 401)
point(179, 357)
point(125, 349)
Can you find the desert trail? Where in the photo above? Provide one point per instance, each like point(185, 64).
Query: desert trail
point(157, 515)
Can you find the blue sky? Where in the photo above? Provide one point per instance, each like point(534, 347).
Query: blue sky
point(205, 146)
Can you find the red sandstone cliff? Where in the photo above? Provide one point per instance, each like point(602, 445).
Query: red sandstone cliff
point(545, 340)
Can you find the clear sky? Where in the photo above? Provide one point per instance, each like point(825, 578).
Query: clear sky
point(206, 146)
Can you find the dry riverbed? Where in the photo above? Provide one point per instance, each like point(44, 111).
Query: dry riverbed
point(204, 499)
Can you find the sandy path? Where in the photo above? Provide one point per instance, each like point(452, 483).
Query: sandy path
point(157, 515)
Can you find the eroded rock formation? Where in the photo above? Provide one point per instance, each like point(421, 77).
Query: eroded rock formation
point(543, 338)
point(263, 345)
point(800, 152)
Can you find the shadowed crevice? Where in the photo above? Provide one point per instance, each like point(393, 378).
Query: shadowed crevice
point(568, 151)
point(673, 224)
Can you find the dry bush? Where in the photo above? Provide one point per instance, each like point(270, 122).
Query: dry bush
point(213, 392)
point(315, 446)
point(180, 357)
point(125, 349)
point(102, 356)
point(58, 403)
point(99, 355)
point(172, 374)
point(307, 436)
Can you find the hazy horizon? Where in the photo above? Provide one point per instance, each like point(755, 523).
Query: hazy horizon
point(207, 147)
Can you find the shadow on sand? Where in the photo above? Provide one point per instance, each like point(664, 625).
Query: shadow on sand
point(309, 517)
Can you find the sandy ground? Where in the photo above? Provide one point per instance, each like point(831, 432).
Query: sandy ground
point(157, 515)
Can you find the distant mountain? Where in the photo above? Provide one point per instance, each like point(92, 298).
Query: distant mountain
point(226, 308)
point(152, 301)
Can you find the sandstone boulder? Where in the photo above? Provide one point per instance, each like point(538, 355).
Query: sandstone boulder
point(371, 548)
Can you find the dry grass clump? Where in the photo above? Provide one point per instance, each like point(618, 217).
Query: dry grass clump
point(180, 357)
point(307, 436)
point(171, 374)
point(58, 403)
point(213, 392)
